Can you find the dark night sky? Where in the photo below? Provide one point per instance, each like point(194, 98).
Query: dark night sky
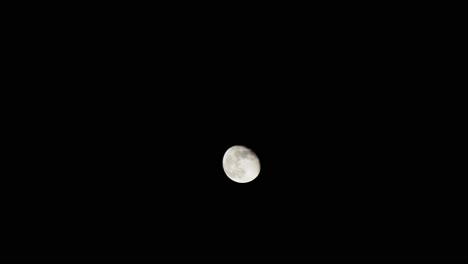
point(119, 148)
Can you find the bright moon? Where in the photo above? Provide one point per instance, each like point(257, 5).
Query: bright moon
point(241, 164)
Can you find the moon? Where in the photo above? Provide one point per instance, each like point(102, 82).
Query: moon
point(241, 164)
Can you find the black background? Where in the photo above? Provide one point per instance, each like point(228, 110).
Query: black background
point(121, 119)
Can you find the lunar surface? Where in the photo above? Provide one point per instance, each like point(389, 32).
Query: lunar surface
point(241, 164)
